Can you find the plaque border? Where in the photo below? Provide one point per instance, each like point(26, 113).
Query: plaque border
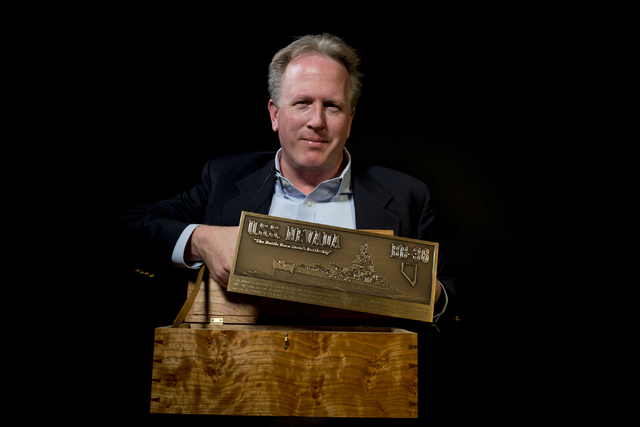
point(343, 295)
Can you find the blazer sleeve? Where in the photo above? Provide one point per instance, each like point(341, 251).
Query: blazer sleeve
point(150, 231)
point(427, 231)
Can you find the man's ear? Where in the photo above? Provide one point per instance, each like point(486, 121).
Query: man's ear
point(273, 113)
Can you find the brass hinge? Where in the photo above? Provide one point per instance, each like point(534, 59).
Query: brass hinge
point(216, 321)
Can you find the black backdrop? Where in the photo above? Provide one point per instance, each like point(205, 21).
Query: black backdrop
point(472, 111)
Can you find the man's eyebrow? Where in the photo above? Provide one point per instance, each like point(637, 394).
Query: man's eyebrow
point(306, 98)
point(335, 101)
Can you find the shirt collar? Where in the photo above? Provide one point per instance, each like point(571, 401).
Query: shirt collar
point(344, 180)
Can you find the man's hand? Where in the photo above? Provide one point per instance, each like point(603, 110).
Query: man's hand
point(215, 246)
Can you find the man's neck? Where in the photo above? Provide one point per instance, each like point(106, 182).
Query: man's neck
point(308, 179)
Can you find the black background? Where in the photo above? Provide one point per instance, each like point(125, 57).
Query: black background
point(475, 109)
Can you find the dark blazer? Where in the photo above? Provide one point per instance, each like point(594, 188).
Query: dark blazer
point(384, 199)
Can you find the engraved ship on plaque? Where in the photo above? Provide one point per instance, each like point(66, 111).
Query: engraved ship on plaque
point(359, 277)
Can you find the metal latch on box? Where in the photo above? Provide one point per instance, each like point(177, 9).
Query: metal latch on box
point(216, 321)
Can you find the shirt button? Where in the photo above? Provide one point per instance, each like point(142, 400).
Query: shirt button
point(309, 204)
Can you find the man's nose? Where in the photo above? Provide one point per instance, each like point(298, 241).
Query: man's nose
point(316, 120)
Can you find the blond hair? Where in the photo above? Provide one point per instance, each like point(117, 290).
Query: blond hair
point(326, 45)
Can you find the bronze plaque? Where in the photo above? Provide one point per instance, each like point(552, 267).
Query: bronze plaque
point(334, 267)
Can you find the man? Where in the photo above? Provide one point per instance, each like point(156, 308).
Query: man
point(314, 87)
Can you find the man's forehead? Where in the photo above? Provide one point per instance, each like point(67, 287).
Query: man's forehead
point(314, 68)
point(314, 59)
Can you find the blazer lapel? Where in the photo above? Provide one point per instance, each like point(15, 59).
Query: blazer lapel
point(256, 192)
point(371, 201)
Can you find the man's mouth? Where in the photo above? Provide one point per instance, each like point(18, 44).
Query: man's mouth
point(314, 140)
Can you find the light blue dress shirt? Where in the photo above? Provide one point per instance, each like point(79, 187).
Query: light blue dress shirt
point(330, 203)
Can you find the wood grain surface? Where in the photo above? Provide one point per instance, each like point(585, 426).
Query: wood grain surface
point(323, 372)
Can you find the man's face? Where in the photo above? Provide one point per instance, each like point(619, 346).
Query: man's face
point(314, 117)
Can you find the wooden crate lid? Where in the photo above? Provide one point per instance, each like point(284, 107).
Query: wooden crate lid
point(212, 301)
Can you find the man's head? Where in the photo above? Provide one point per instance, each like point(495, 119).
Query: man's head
point(323, 45)
point(311, 108)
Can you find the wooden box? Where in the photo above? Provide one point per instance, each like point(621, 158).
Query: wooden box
point(244, 366)
point(285, 371)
